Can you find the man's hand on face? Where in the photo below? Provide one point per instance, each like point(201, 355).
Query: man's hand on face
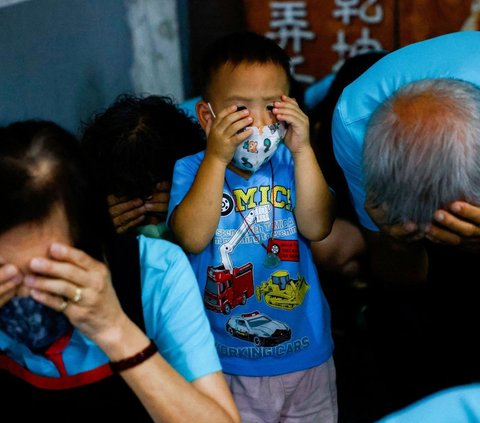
point(457, 224)
point(405, 232)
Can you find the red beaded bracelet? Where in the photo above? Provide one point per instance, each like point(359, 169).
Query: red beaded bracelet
point(134, 360)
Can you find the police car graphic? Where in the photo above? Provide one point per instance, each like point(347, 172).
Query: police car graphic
point(258, 328)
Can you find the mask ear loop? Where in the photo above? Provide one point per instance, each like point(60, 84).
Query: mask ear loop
point(211, 110)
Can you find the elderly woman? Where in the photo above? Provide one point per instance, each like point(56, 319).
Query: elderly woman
point(92, 327)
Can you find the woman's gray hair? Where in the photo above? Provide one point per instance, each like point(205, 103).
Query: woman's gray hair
point(422, 150)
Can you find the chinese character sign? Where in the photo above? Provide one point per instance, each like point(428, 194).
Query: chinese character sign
point(319, 35)
point(290, 28)
point(349, 43)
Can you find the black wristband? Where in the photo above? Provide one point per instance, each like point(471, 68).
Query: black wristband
point(134, 360)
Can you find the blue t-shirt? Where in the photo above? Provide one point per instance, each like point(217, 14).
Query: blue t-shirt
point(173, 313)
point(460, 404)
point(266, 321)
point(455, 55)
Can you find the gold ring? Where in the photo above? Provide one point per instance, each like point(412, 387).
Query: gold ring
point(63, 306)
point(78, 295)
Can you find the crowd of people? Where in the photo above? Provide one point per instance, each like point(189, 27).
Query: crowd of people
point(172, 268)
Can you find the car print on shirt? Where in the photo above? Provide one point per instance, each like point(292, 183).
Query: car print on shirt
point(258, 328)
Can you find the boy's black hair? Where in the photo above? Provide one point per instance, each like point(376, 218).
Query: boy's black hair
point(42, 168)
point(239, 47)
point(135, 142)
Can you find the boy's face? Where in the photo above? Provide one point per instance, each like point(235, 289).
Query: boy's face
point(252, 85)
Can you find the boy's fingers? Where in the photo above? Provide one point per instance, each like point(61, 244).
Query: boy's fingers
point(208, 126)
point(226, 112)
point(230, 115)
point(288, 99)
point(239, 137)
point(239, 127)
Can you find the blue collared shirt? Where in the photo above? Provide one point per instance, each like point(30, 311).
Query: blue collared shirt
point(174, 317)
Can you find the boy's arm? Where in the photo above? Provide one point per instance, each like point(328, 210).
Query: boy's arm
point(314, 203)
point(195, 219)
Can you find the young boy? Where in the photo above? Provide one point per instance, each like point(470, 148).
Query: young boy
point(245, 209)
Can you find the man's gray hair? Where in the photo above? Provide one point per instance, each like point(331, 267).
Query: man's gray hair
point(422, 150)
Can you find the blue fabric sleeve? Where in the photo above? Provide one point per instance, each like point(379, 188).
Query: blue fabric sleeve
point(317, 91)
point(460, 404)
point(173, 310)
point(454, 55)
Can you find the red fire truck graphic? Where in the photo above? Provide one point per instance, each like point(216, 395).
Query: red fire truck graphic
point(228, 286)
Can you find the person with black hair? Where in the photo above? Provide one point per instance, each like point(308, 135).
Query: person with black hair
point(93, 327)
point(132, 147)
point(245, 209)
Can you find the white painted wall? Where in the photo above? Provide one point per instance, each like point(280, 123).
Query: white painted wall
point(4, 3)
point(157, 66)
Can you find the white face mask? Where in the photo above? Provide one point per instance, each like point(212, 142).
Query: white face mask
point(259, 147)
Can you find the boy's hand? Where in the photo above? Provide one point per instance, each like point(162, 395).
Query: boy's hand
point(223, 133)
point(298, 136)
